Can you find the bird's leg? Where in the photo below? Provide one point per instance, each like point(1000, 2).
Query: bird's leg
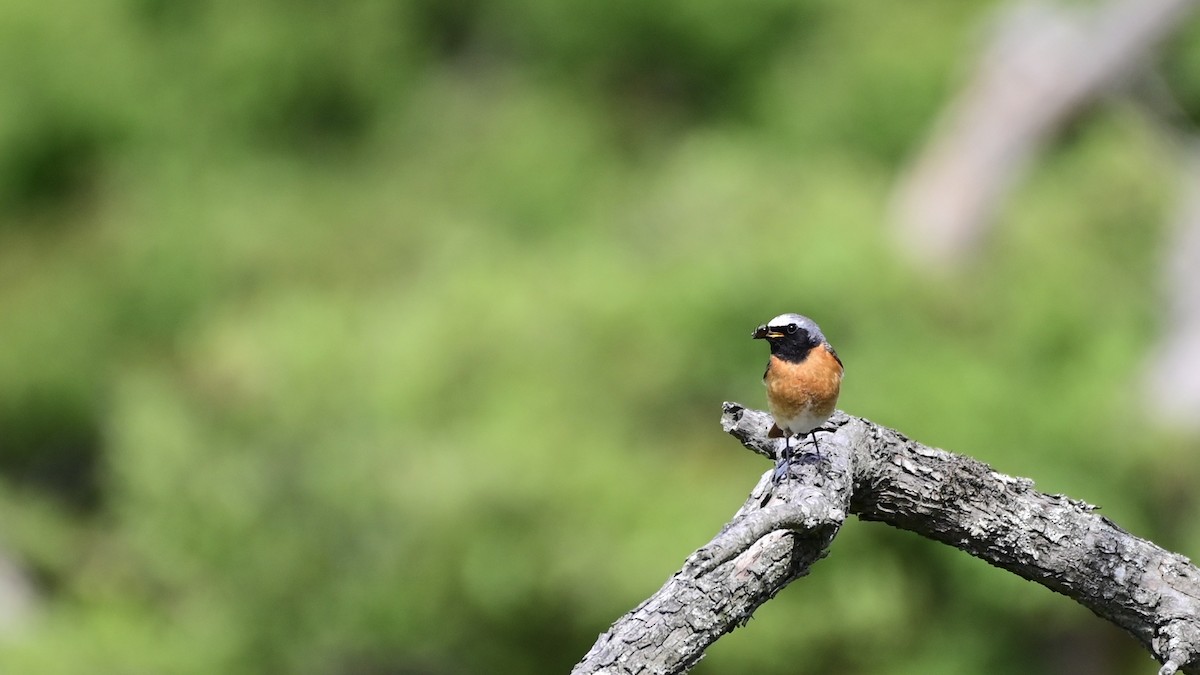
point(784, 463)
point(817, 456)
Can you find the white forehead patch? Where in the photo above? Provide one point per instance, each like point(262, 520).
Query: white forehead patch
point(785, 319)
point(802, 321)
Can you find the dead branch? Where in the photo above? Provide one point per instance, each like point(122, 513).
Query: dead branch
point(878, 474)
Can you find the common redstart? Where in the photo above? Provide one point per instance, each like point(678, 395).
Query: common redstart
point(803, 380)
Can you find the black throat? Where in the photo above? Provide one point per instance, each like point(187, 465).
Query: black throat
point(793, 348)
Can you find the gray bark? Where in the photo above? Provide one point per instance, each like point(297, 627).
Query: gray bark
point(878, 474)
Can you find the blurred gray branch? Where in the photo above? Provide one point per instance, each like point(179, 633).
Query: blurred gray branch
point(1173, 375)
point(1044, 64)
point(18, 596)
point(878, 474)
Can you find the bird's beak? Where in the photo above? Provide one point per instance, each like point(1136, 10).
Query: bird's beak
point(763, 332)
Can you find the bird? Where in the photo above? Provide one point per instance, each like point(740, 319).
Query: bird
point(803, 380)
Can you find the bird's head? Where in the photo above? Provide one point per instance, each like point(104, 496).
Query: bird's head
point(790, 335)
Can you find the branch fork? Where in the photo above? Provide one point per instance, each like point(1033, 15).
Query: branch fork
point(878, 474)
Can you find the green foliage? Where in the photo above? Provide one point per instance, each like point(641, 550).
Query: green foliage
point(391, 337)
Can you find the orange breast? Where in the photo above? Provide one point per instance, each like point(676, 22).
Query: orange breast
point(803, 395)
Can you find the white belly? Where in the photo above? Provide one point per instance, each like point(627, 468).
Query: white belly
point(801, 422)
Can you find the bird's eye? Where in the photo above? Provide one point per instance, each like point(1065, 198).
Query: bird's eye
point(792, 328)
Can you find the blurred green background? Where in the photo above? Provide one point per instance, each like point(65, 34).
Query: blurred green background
point(390, 336)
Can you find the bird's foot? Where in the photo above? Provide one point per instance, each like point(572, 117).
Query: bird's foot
point(782, 468)
point(815, 456)
point(783, 465)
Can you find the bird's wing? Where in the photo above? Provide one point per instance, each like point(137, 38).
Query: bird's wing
point(835, 356)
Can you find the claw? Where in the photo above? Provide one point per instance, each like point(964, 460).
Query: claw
point(783, 465)
point(782, 468)
point(816, 456)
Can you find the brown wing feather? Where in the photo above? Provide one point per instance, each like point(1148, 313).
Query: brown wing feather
point(831, 350)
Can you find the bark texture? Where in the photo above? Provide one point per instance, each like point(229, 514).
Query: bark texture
point(878, 474)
